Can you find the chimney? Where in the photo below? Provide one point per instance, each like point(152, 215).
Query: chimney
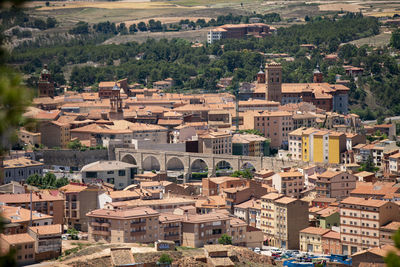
point(19, 211)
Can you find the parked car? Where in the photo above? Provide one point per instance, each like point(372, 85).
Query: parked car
point(257, 250)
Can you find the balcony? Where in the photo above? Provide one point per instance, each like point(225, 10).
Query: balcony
point(105, 224)
point(171, 227)
point(136, 233)
point(95, 224)
point(104, 233)
point(138, 224)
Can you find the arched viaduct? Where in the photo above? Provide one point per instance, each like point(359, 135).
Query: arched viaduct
point(189, 162)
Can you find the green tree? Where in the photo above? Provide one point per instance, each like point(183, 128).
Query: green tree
point(165, 258)
point(74, 144)
point(395, 39)
point(73, 233)
point(392, 259)
point(225, 240)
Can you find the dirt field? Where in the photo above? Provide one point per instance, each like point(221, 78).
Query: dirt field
point(377, 40)
point(165, 20)
point(192, 36)
point(341, 7)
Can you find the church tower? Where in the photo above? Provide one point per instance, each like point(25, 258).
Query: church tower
point(261, 75)
point(273, 77)
point(318, 77)
point(45, 84)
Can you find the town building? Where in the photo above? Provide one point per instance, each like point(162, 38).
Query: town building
point(118, 173)
point(331, 243)
point(250, 145)
point(171, 227)
point(79, 200)
point(387, 232)
point(311, 239)
point(42, 203)
point(275, 125)
point(335, 184)
point(23, 244)
point(55, 134)
point(21, 219)
point(289, 183)
point(237, 230)
point(237, 31)
point(250, 212)
point(139, 224)
point(361, 220)
point(323, 146)
point(291, 216)
point(202, 229)
point(282, 218)
point(27, 138)
point(211, 142)
point(19, 169)
point(47, 241)
point(160, 205)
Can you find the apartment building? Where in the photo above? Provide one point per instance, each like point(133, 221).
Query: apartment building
point(211, 142)
point(171, 227)
point(19, 169)
point(160, 205)
point(202, 229)
point(323, 146)
point(289, 183)
point(304, 119)
point(47, 241)
point(250, 212)
point(124, 226)
point(275, 125)
point(311, 239)
point(295, 144)
point(361, 220)
point(214, 185)
point(21, 219)
point(23, 244)
point(394, 164)
point(79, 200)
point(55, 134)
point(378, 190)
point(291, 216)
point(236, 195)
point(118, 173)
point(268, 215)
point(335, 184)
point(237, 230)
point(387, 232)
point(331, 243)
point(42, 203)
point(250, 145)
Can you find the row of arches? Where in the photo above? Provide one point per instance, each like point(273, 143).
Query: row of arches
point(175, 167)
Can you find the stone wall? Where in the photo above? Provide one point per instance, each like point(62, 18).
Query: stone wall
point(72, 158)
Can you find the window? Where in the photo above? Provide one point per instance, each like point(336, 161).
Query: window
point(121, 172)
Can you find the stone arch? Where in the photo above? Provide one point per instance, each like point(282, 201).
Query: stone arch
point(199, 166)
point(151, 163)
point(248, 165)
point(128, 158)
point(223, 167)
point(175, 167)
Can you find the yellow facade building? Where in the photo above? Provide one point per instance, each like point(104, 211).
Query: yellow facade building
point(322, 146)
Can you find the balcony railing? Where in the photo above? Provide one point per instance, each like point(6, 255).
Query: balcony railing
point(105, 233)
